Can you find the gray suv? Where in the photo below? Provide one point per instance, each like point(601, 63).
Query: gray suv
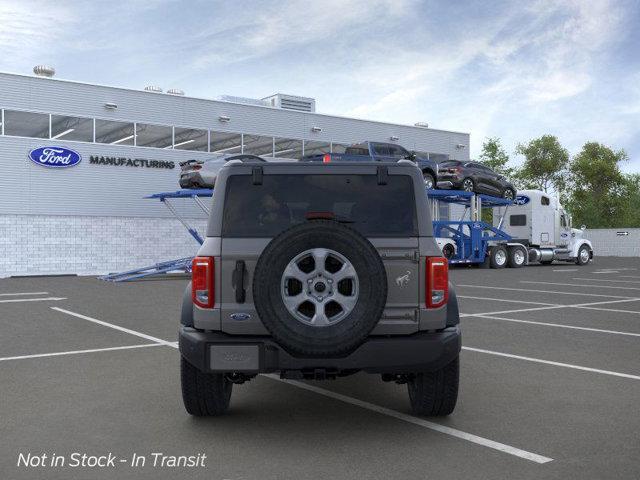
point(316, 272)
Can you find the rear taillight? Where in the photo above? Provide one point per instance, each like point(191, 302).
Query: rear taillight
point(202, 283)
point(326, 158)
point(437, 282)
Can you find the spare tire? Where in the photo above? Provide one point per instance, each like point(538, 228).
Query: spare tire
point(320, 288)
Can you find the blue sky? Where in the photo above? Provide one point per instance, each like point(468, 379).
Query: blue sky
point(515, 70)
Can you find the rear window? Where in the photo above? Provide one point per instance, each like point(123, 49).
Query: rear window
point(450, 163)
point(286, 200)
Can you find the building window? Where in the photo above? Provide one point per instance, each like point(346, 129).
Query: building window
point(316, 148)
point(258, 145)
point(157, 136)
point(26, 124)
point(72, 128)
point(190, 139)
point(224, 142)
point(287, 148)
point(114, 133)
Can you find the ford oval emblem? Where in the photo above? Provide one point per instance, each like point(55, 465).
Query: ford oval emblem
point(55, 157)
point(521, 200)
point(239, 317)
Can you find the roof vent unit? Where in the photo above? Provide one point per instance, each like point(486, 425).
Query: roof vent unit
point(175, 91)
point(422, 124)
point(244, 100)
point(153, 88)
point(292, 102)
point(44, 71)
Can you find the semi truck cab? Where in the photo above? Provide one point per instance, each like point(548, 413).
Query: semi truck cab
point(538, 221)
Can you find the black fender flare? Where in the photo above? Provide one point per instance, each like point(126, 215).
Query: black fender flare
point(186, 313)
point(431, 172)
point(453, 313)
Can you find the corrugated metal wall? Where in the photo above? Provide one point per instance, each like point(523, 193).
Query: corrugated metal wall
point(614, 242)
point(103, 190)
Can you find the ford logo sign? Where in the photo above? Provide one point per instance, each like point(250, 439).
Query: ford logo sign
point(521, 200)
point(240, 316)
point(55, 157)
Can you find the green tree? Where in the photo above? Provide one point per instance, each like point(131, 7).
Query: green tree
point(545, 165)
point(599, 192)
point(631, 202)
point(495, 157)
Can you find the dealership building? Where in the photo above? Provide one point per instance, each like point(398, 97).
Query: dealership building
point(88, 214)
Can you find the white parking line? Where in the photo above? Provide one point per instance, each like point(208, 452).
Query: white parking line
point(485, 442)
point(552, 307)
point(23, 293)
point(45, 299)
point(565, 270)
point(559, 325)
point(546, 291)
point(581, 285)
point(628, 276)
point(115, 327)
point(76, 352)
point(555, 364)
point(608, 309)
point(506, 300)
point(604, 280)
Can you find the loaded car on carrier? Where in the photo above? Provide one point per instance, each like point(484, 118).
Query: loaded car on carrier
point(300, 277)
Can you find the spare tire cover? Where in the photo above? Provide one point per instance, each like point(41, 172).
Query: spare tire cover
point(320, 288)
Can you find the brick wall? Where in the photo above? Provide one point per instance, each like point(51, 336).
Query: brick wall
point(47, 245)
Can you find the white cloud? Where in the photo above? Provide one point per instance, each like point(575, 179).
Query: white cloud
point(30, 30)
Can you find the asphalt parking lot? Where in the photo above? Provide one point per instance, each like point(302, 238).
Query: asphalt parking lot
point(550, 387)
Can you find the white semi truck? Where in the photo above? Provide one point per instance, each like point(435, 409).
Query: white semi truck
point(538, 221)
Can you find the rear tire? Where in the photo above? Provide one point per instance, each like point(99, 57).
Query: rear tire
point(429, 181)
point(204, 394)
point(435, 393)
point(448, 251)
point(517, 257)
point(468, 185)
point(508, 194)
point(498, 257)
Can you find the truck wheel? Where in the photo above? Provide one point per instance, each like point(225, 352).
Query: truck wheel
point(429, 181)
point(508, 193)
point(583, 255)
point(204, 394)
point(517, 257)
point(435, 393)
point(498, 257)
point(320, 288)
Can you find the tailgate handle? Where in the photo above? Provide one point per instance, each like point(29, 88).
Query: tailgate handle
point(238, 281)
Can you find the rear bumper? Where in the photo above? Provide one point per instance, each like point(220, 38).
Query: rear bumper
point(219, 352)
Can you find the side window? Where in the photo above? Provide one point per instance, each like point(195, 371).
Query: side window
point(382, 150)
point(397, 151)
point(563, 221)
point(544, 201)
point(517, 220)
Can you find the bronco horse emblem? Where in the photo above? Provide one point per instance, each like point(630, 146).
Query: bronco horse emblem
point(403, 280)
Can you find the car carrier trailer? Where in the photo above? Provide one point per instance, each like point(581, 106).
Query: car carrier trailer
point(533, 228)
